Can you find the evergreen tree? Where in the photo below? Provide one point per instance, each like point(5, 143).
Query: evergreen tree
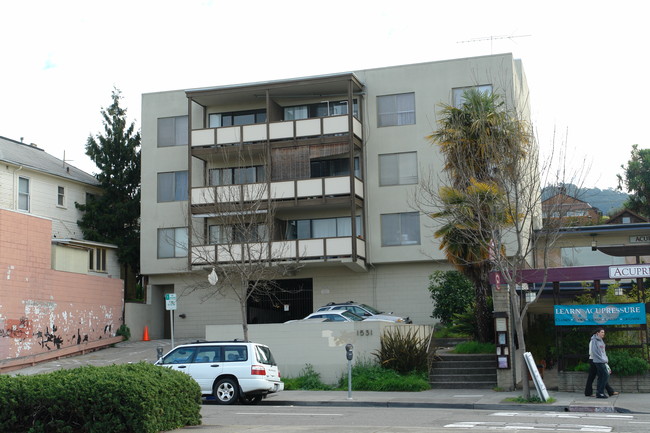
point(636, 180)
point(114, 216)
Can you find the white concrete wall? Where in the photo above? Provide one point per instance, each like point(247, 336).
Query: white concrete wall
point(322, 344)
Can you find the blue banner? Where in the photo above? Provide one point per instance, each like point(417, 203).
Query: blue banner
point(599, 314)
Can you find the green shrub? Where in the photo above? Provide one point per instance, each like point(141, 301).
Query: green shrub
point(451, 292)
point(403, 352)
point(474, 347)
point(137, 398)
point(309, 379)
point(583, 366)
point(622, 364)
point(367, 376)
point(124, 331)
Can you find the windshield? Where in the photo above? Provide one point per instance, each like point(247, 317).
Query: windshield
point(350, 315)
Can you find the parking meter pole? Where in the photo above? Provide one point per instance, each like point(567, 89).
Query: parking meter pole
point(349, 380)
point(171, 318)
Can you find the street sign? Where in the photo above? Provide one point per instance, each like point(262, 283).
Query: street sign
point(170, 301)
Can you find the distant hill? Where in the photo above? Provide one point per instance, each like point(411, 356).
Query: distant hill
point(608, 200)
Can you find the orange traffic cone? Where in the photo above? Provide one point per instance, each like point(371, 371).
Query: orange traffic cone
point(145, 337)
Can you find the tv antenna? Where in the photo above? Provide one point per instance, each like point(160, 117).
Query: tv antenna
point(492, 39)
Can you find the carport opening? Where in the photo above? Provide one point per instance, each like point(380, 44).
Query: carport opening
point(283, 300)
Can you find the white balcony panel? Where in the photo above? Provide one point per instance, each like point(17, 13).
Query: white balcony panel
point(203, 254)
point(357, 128)
point(256, 252)
point(203, 195)
point(337, 185)
point(228, 193)
point(255, 132)
point(361, 247)
point(358, 187)
point(278, 130)
point(311, 248)
point(339, 246)
point(283, 250)
point(229, 135)
point(229, 253)
point(310, 188)
point(308, 128)
point(255, 191)
point(335, 125)
point(202, 137)
point(283, 190)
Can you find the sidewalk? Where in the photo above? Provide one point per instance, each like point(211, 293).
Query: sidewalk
point(136, 351)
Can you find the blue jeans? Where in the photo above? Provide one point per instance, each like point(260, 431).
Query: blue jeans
point(603, 378)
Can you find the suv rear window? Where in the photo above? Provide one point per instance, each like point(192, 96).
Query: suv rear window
point(264, 355)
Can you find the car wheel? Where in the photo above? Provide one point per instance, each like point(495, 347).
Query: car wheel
point(250, 399)
point(226, 391)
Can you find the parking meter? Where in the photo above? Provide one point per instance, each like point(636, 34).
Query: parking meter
point(348, 351)
point(159, 352)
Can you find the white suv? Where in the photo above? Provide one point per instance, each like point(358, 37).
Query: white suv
point(227, 370)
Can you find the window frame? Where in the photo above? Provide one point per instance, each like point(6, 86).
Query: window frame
point(399, 179)
point(180, 250)
point(179, 187)
point(60, 198)
point(457, 98)
point(24, 195)
point(402, 235)
point(174, 139)
point(396, 117)
point(97, 259)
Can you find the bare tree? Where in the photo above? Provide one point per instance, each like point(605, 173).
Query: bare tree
point(235, 231)
point(487, 201)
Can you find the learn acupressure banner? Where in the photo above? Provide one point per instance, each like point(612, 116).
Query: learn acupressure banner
point(599, 314)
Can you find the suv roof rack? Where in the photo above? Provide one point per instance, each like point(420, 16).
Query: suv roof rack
point(236, 340)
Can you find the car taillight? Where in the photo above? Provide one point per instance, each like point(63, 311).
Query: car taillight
point(258, 370)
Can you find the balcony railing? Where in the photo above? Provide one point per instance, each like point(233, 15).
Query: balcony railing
point(285, 130)
point(284, 190)
point(299, 250)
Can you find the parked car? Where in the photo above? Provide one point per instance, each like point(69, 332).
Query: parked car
point(228, 371)
point(330, 316)
point(363, 310)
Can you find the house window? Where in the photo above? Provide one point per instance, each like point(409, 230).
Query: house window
point(398, 169)
point(322, 228)
point(585, 256)
point(238, 234)
point(97, 259)
point(60, 200)
point(249, 117)
point(626, 220)
point(400, 229)
point(23, 194)
point(458, 94)
point(172, 242)
point(237, 175)
point(395, 110)
point(172, 186)
point(172, 131)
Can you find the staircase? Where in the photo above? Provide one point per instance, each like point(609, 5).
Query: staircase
point(452, 371)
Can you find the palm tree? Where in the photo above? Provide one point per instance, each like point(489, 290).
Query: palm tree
point(482, 144)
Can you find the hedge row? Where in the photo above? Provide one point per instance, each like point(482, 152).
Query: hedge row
point(133, 398)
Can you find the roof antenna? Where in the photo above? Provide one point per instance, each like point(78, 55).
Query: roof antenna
point(492, 38)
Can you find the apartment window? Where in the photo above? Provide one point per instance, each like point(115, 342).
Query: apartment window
point(458, 94)
point(60, 199)
point(249, 117)
point(172, 186)
point(320, 109)
point(97, 259)
point(400, 229)
point(172, 131)
point(238, 234)
point(398, 169)
point(395, 110)
point(23, 194)
point(333, 167)
point(172, 242)
point(322, 228)
point(237, 175)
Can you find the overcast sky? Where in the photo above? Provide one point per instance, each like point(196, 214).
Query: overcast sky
point(585, 61)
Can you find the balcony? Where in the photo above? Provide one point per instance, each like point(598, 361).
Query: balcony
point(291, 190)
point(324, 251)
point(277, 131)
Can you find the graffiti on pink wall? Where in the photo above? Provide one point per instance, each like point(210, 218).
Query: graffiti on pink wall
point(16, 328)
